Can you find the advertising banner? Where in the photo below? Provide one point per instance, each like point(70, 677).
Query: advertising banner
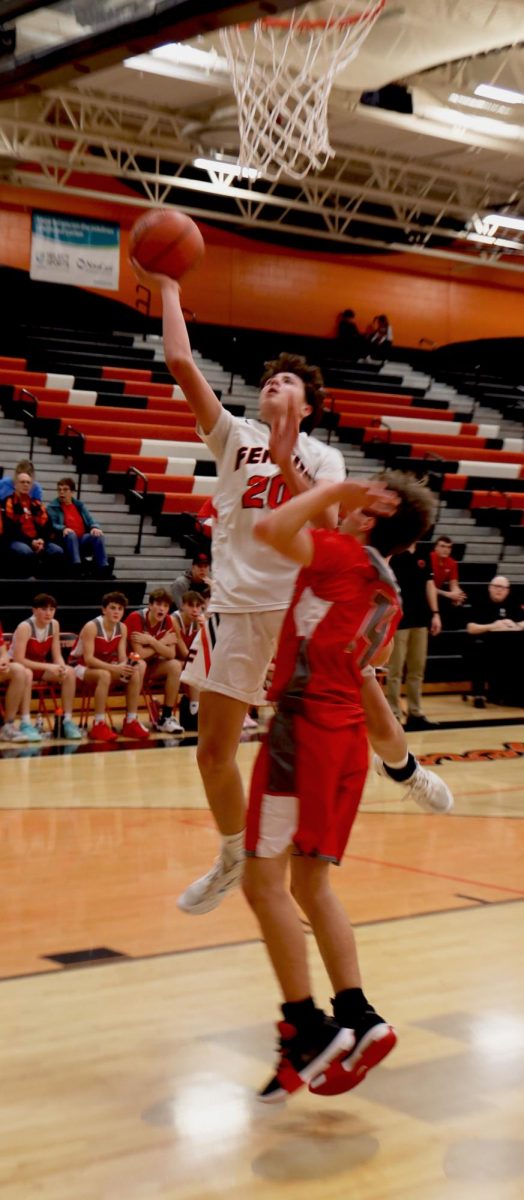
point(75, 250)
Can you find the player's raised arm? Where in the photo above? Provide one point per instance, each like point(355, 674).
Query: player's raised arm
point(284, 527)
point(177, 349)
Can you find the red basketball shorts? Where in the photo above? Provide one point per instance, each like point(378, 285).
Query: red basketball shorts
point(306, 788)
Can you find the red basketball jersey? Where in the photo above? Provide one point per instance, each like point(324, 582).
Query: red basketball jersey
point(345, 606)
point(105, 647)
point(38, 649)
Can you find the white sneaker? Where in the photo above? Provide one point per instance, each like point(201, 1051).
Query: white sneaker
point(9, 733)
point(206, 893)
point(170, 725)
point(249, 722)
point(427, 789)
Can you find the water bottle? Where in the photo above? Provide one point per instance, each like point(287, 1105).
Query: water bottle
point(132, 660)
point(58, 727)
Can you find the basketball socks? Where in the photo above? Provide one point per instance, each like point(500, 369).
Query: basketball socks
point(232, 848)
point(401, 771)
point(167, 712)
point(351, 1008)
point(68, 716)
point(303, 1014)
point(130, 716)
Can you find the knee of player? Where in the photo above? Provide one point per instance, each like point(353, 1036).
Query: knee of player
point(214, 755)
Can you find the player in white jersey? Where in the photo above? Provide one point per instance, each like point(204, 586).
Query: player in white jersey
point(260, 464)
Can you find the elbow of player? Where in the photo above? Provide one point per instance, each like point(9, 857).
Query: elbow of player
point(179, 363)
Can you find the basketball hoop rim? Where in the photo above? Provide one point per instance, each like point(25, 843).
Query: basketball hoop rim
point(306, 26)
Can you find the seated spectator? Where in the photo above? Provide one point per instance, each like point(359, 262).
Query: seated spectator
point(100, 660)
point(28, 532)
point(190, 618)
point(18, 682)
point(445, 574)
point(496, 661)
point(36, 646)
point(156, 637)
point(78, 533)
point(379, 336)
point(7, 483)
point(195, 579)
point(350, 341)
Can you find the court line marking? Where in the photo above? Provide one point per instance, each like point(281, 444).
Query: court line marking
point(129, 959)
point(379, 862)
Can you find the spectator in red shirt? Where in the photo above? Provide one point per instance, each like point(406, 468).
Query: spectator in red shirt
point(445, 575)
point(80, 535)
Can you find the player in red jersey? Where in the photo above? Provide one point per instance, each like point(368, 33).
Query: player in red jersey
point(17, 681)
point(310, 772)
point(156, 637)
point(36, 646)
point(100, 659)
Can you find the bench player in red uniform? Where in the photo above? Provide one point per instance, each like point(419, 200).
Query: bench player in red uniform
point(101, 662)
point(156, 637)
point(17, 681)
point(310, 772)
point(36, 645)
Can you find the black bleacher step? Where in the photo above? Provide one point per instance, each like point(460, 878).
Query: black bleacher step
point(91, 368)
point(35, 342)
point(40, 360)
point(69, 592)
point(393, 389)
point(89, 381)
point(73, 335)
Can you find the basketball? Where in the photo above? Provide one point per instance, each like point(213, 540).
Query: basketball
point(167, 242)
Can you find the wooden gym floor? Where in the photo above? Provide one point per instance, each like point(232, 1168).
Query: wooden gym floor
point(134, 1037)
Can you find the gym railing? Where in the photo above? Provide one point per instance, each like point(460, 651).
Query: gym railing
point(133, 473)
point(70, 433)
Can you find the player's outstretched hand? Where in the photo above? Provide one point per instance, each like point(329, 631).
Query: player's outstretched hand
point(373, 497)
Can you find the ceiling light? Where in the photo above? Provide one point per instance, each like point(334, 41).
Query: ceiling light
point(226, 166)
point(471, 121)
point(488, 240)
point(496, 219)
point(496, 93)
point(472, 102)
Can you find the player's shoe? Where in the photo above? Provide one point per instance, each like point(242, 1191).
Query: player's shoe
point(169, 725)
point(207, 893)
point(9, 733)
point(426, 788)
point(249, 722)
point(303, 1057)
point(101, 732)
point(135, 729)
point(30, 733)
point(71, 731)
point(371, 1042)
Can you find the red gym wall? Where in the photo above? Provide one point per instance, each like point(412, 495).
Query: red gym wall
point(249, 283)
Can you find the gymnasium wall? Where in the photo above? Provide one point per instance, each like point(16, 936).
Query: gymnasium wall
point(249, 283)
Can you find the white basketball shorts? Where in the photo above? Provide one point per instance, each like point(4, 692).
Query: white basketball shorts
point(232, 652)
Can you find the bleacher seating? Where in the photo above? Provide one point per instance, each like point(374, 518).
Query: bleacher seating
point(116, 391)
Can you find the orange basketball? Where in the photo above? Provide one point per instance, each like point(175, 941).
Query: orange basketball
point(167, 242)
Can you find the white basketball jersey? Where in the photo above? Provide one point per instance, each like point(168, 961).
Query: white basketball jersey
point(249, 576)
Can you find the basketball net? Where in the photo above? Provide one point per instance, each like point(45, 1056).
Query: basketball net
point(282, 72)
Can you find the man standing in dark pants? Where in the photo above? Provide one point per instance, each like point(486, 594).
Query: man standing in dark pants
point(410, 646)
point(496, 661)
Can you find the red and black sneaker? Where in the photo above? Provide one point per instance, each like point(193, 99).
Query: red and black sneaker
point(371, 1042)
point(304, 1055)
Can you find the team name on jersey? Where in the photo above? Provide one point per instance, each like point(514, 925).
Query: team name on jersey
point(247, 455)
